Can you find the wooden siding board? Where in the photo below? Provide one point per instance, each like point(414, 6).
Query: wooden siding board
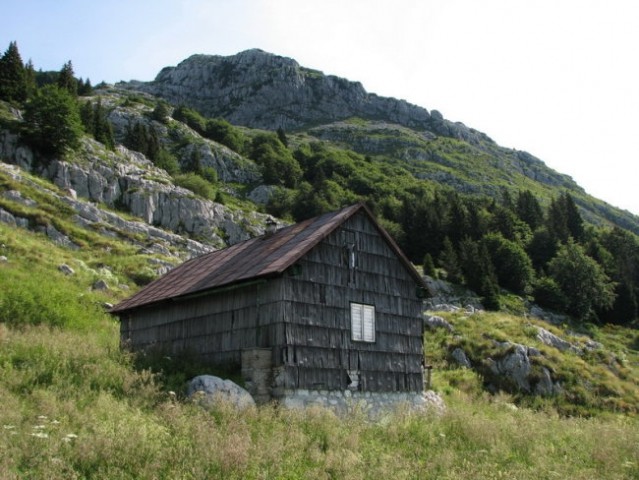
point(216, 326)
point(319, 314)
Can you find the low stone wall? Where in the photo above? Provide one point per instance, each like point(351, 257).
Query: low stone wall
point(372, 403)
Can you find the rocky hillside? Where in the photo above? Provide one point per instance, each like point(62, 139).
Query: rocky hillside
point(123, 195)
point(260, 90)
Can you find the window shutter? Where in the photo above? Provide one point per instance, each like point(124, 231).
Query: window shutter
point(356, 321)
point(368, 328)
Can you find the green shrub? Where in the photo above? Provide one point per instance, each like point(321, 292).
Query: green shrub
point(197, 184)
point(166, 161)
point(548, 294)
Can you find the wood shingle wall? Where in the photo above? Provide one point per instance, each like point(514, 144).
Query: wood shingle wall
point(319, 350)
point(303, 317)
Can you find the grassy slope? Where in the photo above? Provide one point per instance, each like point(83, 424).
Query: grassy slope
point(75, 406)
point(485, 168)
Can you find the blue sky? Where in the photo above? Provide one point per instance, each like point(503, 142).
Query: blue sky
point(557, 78)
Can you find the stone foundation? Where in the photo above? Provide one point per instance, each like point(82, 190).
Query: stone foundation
point(372, 403)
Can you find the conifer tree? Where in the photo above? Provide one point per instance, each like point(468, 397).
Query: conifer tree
point(282, 136)
point(449, 261)
point(30, 79)
point(161, 112)
point(564, 220)
point(13, 80)
point(84, 87)
point(102, 130)
point(479, 272)
point(429, 266)
point(87, 117)
point(66, 80)
point(529, 210)
point(137, 138)
point(574, 222)
point(52, 121)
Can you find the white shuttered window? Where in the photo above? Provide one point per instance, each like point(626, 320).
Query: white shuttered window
point(362, 322)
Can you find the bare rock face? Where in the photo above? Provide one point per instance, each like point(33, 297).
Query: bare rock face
point(514, 368)
point(229, 165)
point(261, 90)
point(127, 180)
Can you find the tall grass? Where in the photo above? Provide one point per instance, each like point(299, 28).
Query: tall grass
point(29, 298)
point(73, 406)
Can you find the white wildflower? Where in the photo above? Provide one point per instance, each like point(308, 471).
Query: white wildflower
point(8, 427)
point(40, 435)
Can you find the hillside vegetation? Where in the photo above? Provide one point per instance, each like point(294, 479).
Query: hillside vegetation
point(76, 406)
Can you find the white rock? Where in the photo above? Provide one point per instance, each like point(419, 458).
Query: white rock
point(209, 388)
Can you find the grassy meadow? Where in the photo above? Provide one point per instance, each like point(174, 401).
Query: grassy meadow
point(74, 406)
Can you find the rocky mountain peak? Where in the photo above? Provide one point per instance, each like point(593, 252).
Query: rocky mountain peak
point(261, 90)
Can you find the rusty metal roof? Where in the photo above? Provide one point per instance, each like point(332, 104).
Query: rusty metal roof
point(252, 259)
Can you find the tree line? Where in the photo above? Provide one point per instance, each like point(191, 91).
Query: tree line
point(54, 117)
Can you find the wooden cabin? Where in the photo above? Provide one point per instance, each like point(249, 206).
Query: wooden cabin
point(330, 304)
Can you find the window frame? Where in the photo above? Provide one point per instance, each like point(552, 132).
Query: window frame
point(359, 330)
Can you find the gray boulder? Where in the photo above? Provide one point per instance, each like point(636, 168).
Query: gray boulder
point(460, 357)
point(8, 218)
point(545, 386)
point(435, 321)
point(515, 366)
point(100, 285)
point(66, 269)
point(207, 389)
point(550, 339)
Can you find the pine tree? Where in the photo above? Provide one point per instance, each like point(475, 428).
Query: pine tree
point(529, 210)
point(282, 136)
point(574, 222)
point(87, 116)
point(102, 130)
point(429, 266)
point(13, 80)
point(137, 138)
point(30, 79)
point(84, 88)
point(66, 80)
point(449, 261)
point(194, 161)
point(52, 121)
point(564, 220)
